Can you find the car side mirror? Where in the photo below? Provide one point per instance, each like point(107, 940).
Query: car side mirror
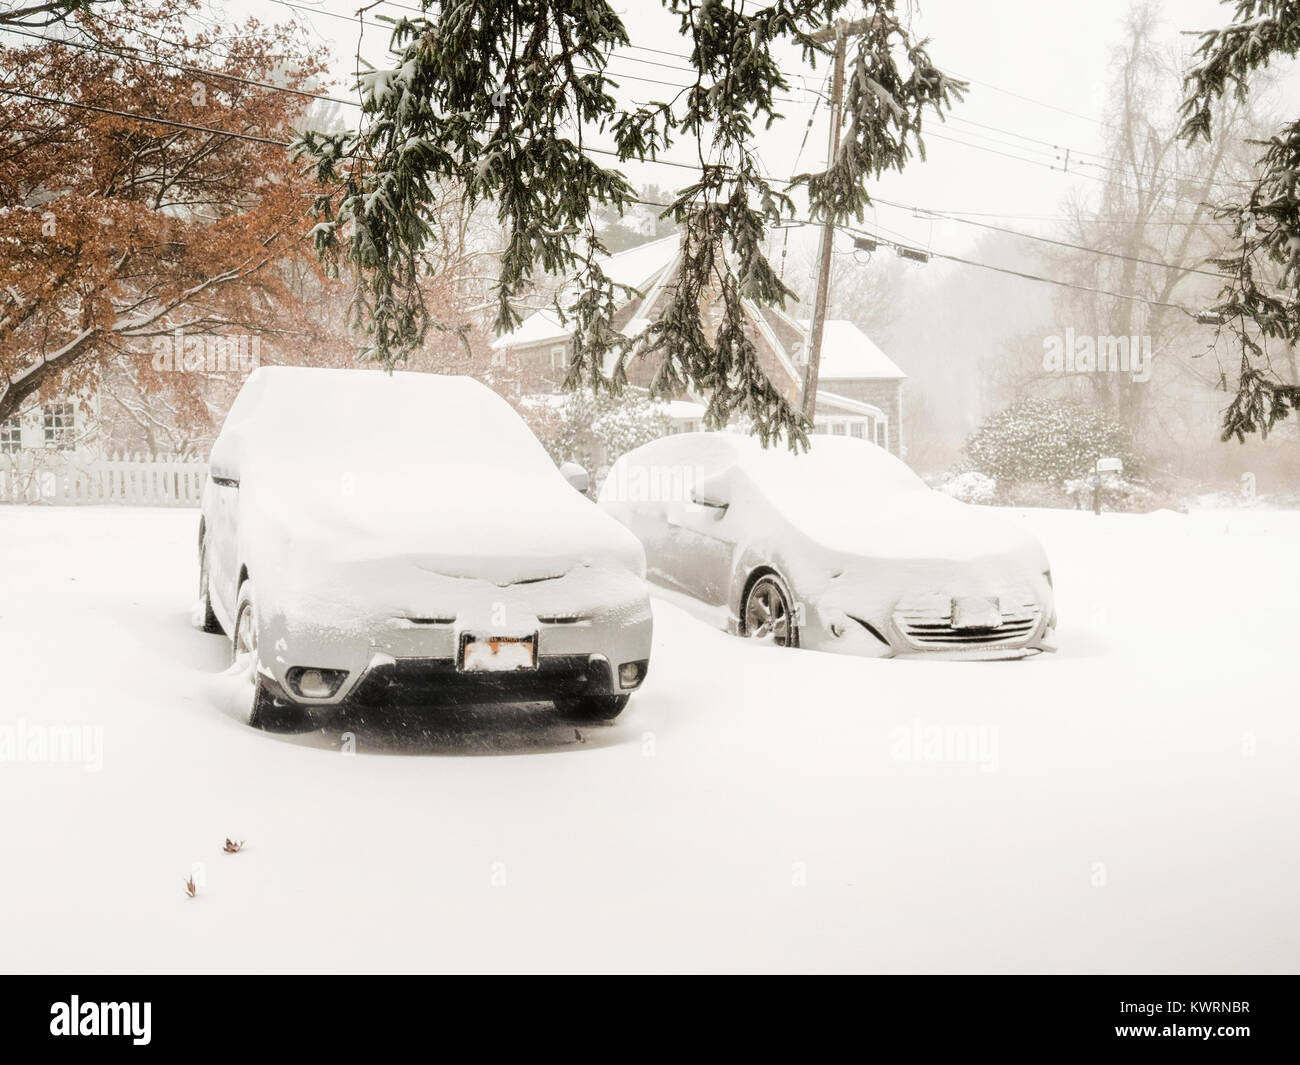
point(223, 474)
point(223, 466)
point(576, 476)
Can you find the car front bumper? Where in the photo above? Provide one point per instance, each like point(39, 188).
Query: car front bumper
point(577, 651)
point(921, 626)
point(425, 680)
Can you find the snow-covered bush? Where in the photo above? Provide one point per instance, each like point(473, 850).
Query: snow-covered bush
point(971, 487)
point(593, 430)
point(1046, 441)
point(1032, 494)
point(1079, 491)
point(1122, 494)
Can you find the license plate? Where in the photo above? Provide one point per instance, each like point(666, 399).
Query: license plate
point(497, 654)
point(976, 612)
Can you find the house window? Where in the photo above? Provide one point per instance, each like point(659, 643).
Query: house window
point(858, 429)
point(60, 425)
point(880, 433)
point(837, 428)
point(11, 435)
point(558, 361)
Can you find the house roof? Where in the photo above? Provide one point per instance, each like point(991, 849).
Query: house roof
point(845, 405)
point(638, 267)
point(847, 353)
point(684, 410)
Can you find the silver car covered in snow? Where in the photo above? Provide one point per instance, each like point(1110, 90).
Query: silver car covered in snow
point(839, 548)
point(366, 535)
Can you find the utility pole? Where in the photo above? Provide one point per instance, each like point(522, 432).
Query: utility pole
point(839, 32)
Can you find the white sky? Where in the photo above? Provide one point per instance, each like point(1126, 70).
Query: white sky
point(1038, 69)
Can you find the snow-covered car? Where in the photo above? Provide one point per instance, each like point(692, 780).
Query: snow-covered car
point(838, 548)
point(365, 535)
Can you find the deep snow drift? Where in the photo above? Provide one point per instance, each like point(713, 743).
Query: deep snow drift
point(1129, 804)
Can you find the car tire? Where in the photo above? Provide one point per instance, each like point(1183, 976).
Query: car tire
point(269, 712)
point(768, 610)
point(591, 707)
point(210, 622)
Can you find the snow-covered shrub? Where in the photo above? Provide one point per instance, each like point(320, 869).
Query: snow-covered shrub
point(1079, 491)
point(1122, 494)
point(971, 487)
point(1046, 441)
point(593, 430)
point(1032, 494)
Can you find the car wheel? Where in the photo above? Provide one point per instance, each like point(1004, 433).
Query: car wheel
point(769, 611)
point(269, 712)
point(592, 707)
point(210, 622)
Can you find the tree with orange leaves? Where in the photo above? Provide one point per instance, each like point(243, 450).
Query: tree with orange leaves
point(144, 189)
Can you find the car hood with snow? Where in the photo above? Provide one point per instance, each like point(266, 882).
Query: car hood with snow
point(855, 499)
point(466, 523)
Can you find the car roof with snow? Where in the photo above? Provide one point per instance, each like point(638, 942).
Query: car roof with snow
point(358, 418)
point(844, 460)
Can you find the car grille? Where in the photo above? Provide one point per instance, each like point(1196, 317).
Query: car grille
point(926, 622)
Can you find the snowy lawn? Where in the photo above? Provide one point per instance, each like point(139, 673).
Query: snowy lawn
point(1129, 804)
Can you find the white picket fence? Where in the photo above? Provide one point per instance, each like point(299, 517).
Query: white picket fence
point(64, 479)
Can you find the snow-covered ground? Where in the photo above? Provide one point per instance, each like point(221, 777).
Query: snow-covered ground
point(1130, 804)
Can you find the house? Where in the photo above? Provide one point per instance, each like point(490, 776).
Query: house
point(859, 391)
point(125, 412)
point(64, 425)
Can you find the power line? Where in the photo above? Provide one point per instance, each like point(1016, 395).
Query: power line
point(1098, 160)
point(614, 75)
point(695, 167)
point(1032, 100)
point(1047, 240)
point(1025, 275)
point(331, 14)
point(186, 67)
point(1073, 151)
point(1070, 150)
point(1070, 218)
point(143, 118)
point(280, 88)
point(973, 81)
point(1109, 163)
point(798, 221)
